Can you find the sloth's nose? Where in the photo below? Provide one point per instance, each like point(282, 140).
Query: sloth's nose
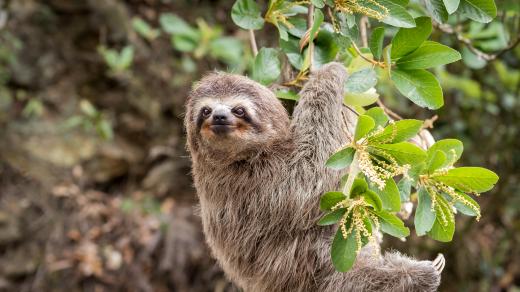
point(220, 119)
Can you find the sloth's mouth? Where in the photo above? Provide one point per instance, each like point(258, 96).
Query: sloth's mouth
point(221, 128)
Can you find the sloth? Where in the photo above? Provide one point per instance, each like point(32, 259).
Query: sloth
point(259, 176)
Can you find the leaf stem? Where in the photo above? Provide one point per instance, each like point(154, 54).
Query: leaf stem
point(353, 172)
point(252, 39)
point(372, 61)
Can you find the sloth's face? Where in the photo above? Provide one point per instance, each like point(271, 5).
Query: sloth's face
point(226, 121)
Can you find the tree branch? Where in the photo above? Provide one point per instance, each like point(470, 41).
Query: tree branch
point(363, 22)
point(310, 23)
point(469, 44)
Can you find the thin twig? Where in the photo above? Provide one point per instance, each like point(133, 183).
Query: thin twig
point(372, 61)
point(469, 44)
point(363, 31)
point(388, 111)
point(252, 39)
point(310, 23)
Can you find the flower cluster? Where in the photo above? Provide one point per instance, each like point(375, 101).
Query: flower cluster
point(455, 196)
point(356, 214)
point(353, 6)
point(379, 167)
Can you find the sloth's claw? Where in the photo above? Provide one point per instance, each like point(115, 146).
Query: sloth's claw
point(439, 262)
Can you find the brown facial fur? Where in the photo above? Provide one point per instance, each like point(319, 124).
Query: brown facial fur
point(259, 193)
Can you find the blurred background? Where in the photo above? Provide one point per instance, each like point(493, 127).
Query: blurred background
point(95, 186)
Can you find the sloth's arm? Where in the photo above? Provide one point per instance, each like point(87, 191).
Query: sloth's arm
point(318, 124)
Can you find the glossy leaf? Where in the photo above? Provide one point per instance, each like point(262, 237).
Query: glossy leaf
point(390, 198)
point(420, 86)
point(330, 199)
point(364, 125)
point(376, 42)
point(379, 116)
point(398, 15)
point(424, 215)
point(361, 81)
point(247, 15)
point(403, 152)
point(437, 160)
point(469, 179)
point(331, 217)
point(408, 40)
point(451, 147)
point(479, 10)
point(392, 225)
point(341, 159)
point(399, 131)
point(429, 55)
point(267, 66)
point(343, 251)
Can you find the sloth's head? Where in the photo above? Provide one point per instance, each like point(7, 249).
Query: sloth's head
point(234, 116)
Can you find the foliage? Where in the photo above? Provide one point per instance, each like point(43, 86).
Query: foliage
point(379, 152)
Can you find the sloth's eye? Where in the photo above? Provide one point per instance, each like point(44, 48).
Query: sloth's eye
point(206, 112)
point(239, 112)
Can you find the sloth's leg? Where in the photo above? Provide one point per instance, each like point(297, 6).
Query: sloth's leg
point(395, 272)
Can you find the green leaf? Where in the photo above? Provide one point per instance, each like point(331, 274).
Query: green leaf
point(451, 5)
point(330, 199)
point(246, 14)
point(465, 209)
point(173, 24)
point(451, 147)
point(391, 200)
point(428, 55)
point(437, 10)
point(392, 225)
point(358, 187)
point(325, 47)
point(341, 159)
point(424, 215)
point(438, 159)
point(267, 66)
point(299, 27)
point(361, 99)
point(420, 86)
point(318, 3)
point(397, 16)
point(287, 94)
point(405, 188)
point(126, 57)
point(227, 49)
point(403, 152)
point(442, 233)
point(373, 199)
point(364, 125)
point(144, 29)
point(292, 50)
point(399, 131)
point(361, 81)
point(479, 10)
point(469, 179)
point(343, 251)
point(379, 116)
point(332, 217)
point(376, 42)
point(408, 40)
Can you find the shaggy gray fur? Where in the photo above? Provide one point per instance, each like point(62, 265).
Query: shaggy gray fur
point(259, 198)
